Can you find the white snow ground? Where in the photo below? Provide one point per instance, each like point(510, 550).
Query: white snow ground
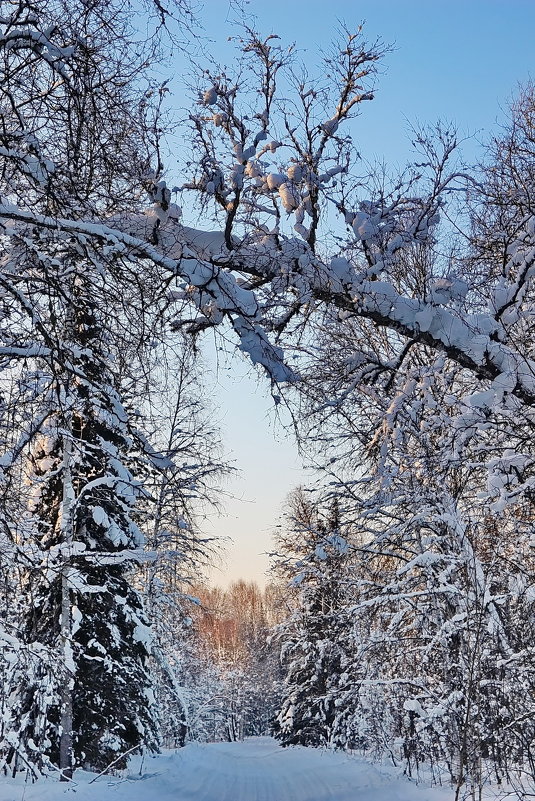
point(255, 770)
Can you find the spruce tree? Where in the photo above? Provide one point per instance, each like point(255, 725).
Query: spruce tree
point(314, 639)
point(83, 602)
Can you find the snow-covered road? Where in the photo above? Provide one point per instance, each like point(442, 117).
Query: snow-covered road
point(255, 770)
point(260, 770)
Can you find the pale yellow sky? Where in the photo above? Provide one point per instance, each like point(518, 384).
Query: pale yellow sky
point(268, 466)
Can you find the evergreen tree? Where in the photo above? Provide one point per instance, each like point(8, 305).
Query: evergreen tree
point(314, 640)
point(82, 602)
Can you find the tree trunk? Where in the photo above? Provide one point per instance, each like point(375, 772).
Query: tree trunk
point(66, 711)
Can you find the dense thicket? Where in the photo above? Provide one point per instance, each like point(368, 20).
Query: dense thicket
point(237, 684)
point(433, 473)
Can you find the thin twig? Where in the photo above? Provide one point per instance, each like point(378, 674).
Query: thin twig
point(106, 769)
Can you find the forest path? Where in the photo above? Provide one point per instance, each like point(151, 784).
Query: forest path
point(260, 770)
point(255, 770)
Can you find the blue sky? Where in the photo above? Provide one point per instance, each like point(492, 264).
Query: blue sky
point(457, 61)
point(460, 62)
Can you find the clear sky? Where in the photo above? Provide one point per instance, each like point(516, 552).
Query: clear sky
point(456, 61)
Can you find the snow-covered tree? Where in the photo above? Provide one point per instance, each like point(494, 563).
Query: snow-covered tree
point(435, 658)
point(81, 601)
point(230, 674)
point(75, 142)
point(313, 557)
point(263, 265)
point(182, 484)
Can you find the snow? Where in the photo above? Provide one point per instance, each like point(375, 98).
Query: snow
point(288, 196)
point(255, 770)
point(210, 96)
point(100, 517)
point(275, 180)
point(330, 126)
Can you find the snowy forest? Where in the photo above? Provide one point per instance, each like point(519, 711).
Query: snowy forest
point(392, 314)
